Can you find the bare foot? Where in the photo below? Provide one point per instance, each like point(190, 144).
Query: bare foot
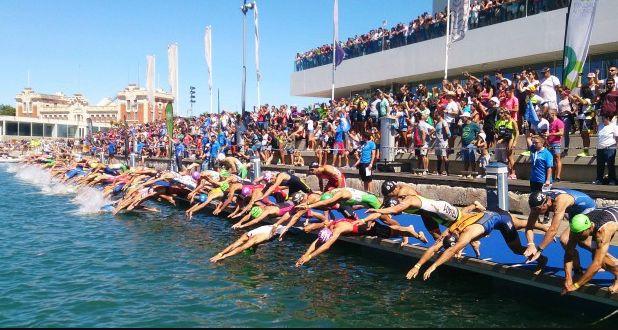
point(541, 263)
point(476, 246)
point(614, 288)
point(422, 238)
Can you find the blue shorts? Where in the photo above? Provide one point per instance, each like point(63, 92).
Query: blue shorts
point(468, 154)
point(501, 221)
point(162, 184)
point(118, 188)
point(555, 149)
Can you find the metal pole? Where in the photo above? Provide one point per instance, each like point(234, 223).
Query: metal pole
point(332, 92)
point(448, 30)
point(244, 55)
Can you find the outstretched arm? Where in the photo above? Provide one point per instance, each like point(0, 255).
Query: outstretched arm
point(409, 202)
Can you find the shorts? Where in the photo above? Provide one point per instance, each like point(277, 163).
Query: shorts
point(585, 125)
point(484, 161)
point(362, 172)
point(338, 148)
point(555, 148)
point(502, 153)
point(442, 149)
point(348, 212)
point(468, 154)
point(420, 151)
point(502, 221)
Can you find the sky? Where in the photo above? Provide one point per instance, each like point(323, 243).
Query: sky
point(97, 47)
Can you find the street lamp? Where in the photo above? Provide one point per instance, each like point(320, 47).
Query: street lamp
point(244, 8)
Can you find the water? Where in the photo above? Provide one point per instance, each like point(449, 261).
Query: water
point(63, 263)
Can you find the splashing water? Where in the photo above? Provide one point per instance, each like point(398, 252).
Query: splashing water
point(89, 200)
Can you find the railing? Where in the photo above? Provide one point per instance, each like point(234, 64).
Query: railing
point(507, 11)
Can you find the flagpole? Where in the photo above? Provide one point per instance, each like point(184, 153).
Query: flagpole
point(566, 29)
point(335, 21)
point(448, 32)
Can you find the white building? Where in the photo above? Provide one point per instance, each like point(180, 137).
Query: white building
point(534, 41)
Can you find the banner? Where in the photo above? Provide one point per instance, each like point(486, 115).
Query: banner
point(459, 19)
point(257, 42)
point(169, 118)
point(208, 53)
point(150, 85)
point(172, 65)
point(580, 20)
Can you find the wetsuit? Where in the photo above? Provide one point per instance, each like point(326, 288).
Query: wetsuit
point(583, 204)
point(242, 170)
point(360, 198)
point(500, 220)
point(601, 217)
point(295, 184)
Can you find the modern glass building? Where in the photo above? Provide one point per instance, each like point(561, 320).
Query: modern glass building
point(532, 39)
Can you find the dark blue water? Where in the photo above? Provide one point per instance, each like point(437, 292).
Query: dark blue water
point(59, 267)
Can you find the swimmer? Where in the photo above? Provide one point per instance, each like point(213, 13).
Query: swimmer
point(593, 231)
point(335, 178)
point(248, 240)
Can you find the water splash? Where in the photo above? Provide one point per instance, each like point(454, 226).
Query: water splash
point(88, 200)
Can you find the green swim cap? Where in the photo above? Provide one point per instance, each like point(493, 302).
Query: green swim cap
point(580, 223)
point(249, 251)
point(224, 186)
point(256, 211)
point(326, 196)
point(224, 173)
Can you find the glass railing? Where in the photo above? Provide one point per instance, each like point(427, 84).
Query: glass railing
point(506, 11)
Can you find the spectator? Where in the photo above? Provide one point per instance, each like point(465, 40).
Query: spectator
point(608, 99)
point(554, 139)
point(366, 160)
point(548, 87)
point(606, 151)
point(506, 137)
point(481, 144)
point(542, 164)
point(567, 115)
point(443, 134)
point(469, 133)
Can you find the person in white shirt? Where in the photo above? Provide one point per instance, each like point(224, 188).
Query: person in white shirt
point(613, 72)
point(606, 151)
point(547, 89)
point(451, 116)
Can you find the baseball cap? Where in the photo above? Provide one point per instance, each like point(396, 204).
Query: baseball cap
point(465, 115)
point(495, 100)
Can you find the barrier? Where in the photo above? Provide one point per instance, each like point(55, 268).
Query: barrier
point(497, 186)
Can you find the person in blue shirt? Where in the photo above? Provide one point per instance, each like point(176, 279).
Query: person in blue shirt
point(542, 163)
point(111, 149)
point(180, 154)
point(366, 160)
point(339, 145)
point(215, 149)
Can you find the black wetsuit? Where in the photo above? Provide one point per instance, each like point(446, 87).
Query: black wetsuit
point(295, 184)
point(603, 216)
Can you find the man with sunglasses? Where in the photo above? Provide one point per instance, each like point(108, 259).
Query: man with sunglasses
point(612, 73)
point(563, 203)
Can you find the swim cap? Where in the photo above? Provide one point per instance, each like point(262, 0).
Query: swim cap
point(314, 165)
point(224, 173)
point(388, 187)
point(256, 211)
point(249, 251)
point(326, 196)
point(450, 241)
point(203, 198)
point(268, 175)
point(324, 235)
point(537, 199)
point(123, 167)
point(220, 157)
point(390, 202)
point(196, 175)
point(224, 186)
point(298, 197)
point(247, 191)
point(580, 223)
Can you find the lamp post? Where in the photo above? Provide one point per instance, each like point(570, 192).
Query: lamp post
point(244, 8)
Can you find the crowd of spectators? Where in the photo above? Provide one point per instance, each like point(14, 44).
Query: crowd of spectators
point(425, 27)
point(474, 119)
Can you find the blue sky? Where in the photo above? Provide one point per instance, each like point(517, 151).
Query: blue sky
point(95, 46)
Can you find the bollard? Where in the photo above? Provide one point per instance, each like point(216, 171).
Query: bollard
point(256, 168)
point(132, 160)
point(497, 186)
point(387, 140)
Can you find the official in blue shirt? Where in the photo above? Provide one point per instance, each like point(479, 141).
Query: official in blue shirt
point(111, 149)
point(542, 162)
point(366, 160)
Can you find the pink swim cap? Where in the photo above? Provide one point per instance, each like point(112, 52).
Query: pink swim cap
point(196, 175)
point(247, 191)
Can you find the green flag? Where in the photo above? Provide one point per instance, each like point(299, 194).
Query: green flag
point(577, 39)
point(169, 116)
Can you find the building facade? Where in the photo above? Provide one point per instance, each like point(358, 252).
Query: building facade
point(130, 105)
point(528, 42)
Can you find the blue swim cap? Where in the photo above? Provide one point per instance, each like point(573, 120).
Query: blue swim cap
point(202, 198)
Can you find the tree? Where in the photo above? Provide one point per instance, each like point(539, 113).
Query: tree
point(7, 110)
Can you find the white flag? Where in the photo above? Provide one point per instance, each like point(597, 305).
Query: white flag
point(459, 20)
point(150, 81)
point(172, 64)
point(577, 40)
point(208, 53)
point(257, 42)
